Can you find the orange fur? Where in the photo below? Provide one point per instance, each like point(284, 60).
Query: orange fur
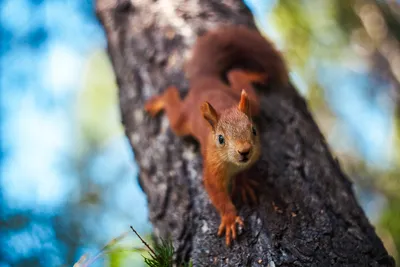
point(219, 115)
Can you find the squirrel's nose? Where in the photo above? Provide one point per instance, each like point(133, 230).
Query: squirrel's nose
point(244, 153)
point(245, 150)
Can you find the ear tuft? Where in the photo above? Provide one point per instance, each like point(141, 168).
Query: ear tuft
point(209, 114)
point(244, 104)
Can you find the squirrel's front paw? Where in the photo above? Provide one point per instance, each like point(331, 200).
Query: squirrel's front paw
point(154, 105)
point(228, 225)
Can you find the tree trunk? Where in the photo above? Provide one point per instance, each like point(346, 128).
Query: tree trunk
point(307, 216)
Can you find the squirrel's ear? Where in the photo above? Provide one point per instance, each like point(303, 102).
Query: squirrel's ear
point(209, 114)
point(244, 104)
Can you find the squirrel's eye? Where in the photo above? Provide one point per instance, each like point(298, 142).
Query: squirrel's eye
point(254, 130)
point(221, 139)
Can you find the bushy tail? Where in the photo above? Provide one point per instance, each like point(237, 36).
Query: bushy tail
point(227, 47)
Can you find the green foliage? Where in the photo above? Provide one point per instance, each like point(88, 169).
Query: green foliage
point(122, 256)
point(397, 137)
point(308, 33)
point(116, 258)
point(285, 15)
point(345, 15)
point(161, 256)
point(390, 222)
point(116, 254)
point(97, 105)
point(162, 253)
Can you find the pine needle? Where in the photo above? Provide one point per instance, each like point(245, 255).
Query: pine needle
point(162, 254)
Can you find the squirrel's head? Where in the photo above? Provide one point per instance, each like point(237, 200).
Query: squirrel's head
point(234, 136)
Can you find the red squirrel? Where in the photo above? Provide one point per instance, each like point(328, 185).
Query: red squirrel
point(218, 111)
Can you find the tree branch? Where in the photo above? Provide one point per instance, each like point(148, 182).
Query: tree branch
point(308, 215)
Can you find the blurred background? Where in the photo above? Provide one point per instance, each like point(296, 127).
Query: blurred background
point(68, 178)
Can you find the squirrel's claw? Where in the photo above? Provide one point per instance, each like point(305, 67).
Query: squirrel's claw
point(157, 103)
point(154, 105)
point(228, 225)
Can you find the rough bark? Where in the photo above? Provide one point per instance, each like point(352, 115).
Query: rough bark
point(307, 216)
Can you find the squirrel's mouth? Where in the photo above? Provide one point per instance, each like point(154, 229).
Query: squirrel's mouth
point(244, 159)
